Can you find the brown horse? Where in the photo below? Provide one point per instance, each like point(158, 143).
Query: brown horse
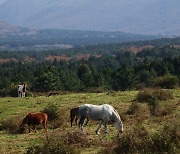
point(74, 114)
point(34, 119)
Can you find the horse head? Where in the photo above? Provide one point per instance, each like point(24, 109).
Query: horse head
point(23, 125)
point(22, 128)
point(118, 122)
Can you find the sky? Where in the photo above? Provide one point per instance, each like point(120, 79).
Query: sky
point(2, 1)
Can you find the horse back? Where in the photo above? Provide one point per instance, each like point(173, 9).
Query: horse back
point(74, 112)
point(36, 118)
point(96, 112)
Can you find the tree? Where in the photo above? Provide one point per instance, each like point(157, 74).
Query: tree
point(124, 78)
point(48, 80)
point(85, 76)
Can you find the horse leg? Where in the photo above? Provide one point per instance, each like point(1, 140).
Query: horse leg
point(72, 117)
point(99, 127)
point(45, 125)
point(34, 127)
point(81, 122)
point(19, 94)
point(29, 128)
point(76, 119)
point(87, 120)
point(105, 127)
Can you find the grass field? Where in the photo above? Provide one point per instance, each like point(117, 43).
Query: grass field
point(14, 109)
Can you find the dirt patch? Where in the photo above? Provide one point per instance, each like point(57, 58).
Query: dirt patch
point(58, 58)
point(29, 59)
point(8, 60)
point(136, 49)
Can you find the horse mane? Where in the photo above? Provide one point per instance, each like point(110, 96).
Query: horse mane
point(24, 87)
point(116, 115)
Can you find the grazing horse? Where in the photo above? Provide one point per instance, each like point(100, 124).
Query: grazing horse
point(103, 113)
point(52, 93)
point(34, 119)
point(22, 90)
point(74, 114)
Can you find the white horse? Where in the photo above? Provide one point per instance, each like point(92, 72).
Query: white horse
point(22, 90)
point(103, 113)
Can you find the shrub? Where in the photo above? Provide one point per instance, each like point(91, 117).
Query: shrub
point(154, 106)
point(77, 138)
point(139, 140)
point(134, 141)
point(11, 91)
point(51, 145)
point(52, 111)
point(11, 125)
point(133, 108)
point(153, 94)
point(168, 140)
point(168, 82)
point(56, 117)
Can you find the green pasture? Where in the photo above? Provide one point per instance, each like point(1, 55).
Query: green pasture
point(17, 108)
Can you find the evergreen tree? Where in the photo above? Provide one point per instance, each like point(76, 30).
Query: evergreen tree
point(124, 79)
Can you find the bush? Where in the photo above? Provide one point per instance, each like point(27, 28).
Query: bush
point(77, 138)
point(56, 117)
point(139, 140)
point(51, 145)
point(154, 107)
point(12, 91)
point(52, 111)
point(133, 108)
point(11, 125)
point(168, 82)
point(153, 94)
point(168, 140)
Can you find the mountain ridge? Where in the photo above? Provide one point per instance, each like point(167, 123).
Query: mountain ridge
point(140, 16)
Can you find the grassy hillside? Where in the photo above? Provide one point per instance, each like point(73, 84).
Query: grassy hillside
point(12, 111)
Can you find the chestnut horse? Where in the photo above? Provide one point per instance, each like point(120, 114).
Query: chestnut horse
point(34, 119)
point(74, 114)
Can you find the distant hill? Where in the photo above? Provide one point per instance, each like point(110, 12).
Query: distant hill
point(134, 16)
point(16, 38)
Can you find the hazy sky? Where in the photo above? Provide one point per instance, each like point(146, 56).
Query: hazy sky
point(2, 1)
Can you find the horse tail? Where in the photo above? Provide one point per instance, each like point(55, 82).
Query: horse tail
point(71, 116)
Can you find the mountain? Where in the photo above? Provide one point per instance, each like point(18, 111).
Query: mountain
point(134, 16)
point(17, 38)
point(8, 29)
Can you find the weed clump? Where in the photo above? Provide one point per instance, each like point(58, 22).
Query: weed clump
point(133, 108)
point(52, 111)
point(139, 140)
point(56, 118)
point(153, 94)
point(167, 82)
point(11, 125)
point(51, 145)
point(77, 138)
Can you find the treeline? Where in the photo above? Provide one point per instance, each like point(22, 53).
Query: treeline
point(106, 50)
point(118, 71)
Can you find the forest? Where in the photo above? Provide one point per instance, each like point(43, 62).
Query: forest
point(91, 68)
